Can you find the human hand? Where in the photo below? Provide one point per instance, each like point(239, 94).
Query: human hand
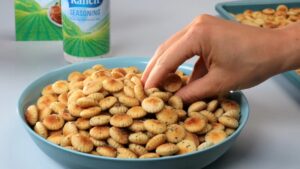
point(233, 57)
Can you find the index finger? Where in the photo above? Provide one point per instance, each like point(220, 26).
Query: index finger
point(175, 55)
point(161, 50)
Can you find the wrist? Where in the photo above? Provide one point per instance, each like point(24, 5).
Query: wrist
point(290, 47)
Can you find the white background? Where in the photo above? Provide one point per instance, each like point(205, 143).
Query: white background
point(272, 135)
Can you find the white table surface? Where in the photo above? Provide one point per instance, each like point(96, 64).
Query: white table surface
point(272, 135)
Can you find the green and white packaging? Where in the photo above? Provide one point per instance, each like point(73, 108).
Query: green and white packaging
point(85, 29)
point(38, 20)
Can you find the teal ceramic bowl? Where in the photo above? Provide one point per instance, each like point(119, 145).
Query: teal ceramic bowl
point(76, 160)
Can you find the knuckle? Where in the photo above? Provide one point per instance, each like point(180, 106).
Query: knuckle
point(161, 64)
point(218, 85)
point(161, 48)
point(201, 25)
point(202, 19)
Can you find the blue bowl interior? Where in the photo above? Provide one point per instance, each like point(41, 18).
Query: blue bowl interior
point(225, 9)
point(32, 92)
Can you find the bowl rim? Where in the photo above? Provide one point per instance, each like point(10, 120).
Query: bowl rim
point(136, 60)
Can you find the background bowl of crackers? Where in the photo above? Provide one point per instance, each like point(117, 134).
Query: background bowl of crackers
point(77, 160)
point(268, 14)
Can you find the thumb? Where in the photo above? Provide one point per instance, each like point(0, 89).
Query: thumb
point(207, 86)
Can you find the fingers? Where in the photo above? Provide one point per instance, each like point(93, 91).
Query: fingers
point(161, 50)
point(199, 70)
point(175, 55)
point(207, 86)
